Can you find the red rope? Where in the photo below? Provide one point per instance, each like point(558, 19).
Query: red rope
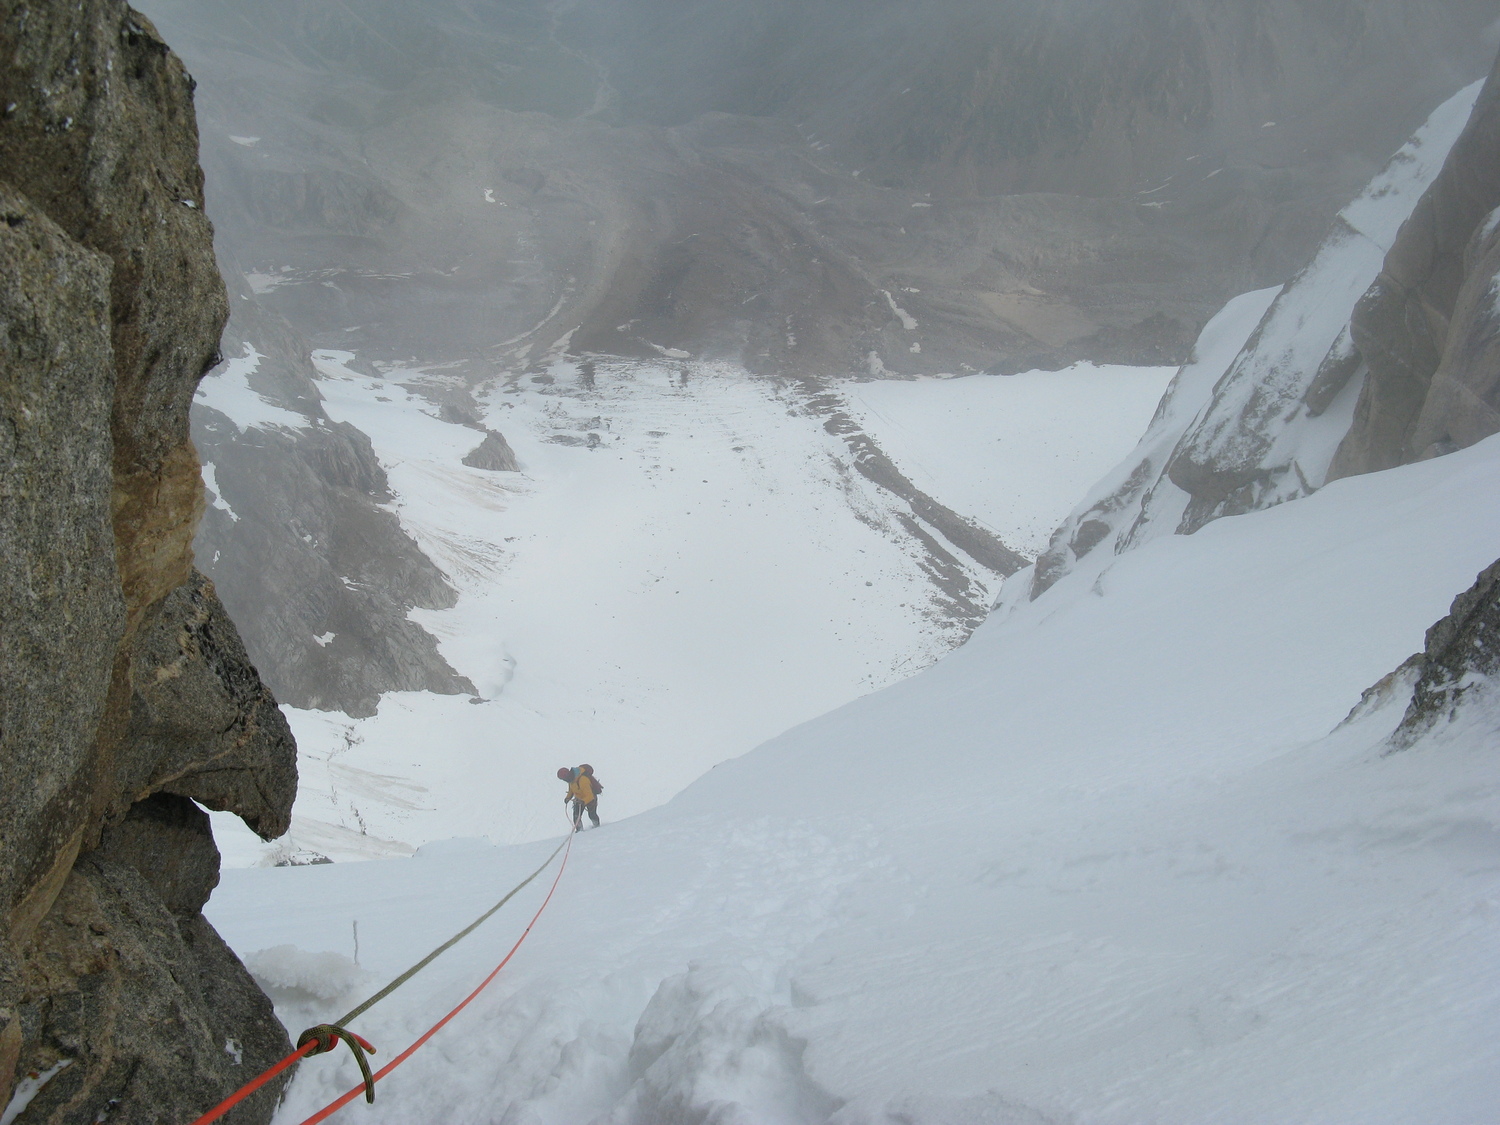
point(339, 1103)
point(250, 1087)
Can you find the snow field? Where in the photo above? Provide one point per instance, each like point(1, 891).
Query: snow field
point(1105, 863)
point(1012, 451)
point(686, 566)
point(228, 391)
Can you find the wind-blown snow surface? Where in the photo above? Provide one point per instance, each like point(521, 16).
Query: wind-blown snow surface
point(687, 566)
point(1105, 863)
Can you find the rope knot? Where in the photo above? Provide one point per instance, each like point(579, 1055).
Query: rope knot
point(325, 1037)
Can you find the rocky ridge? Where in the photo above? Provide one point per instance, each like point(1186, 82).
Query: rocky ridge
point(1378, 353)
point(128, 695)
point(1459, 664)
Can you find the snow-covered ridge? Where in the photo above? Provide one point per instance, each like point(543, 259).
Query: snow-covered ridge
point(1256, 421)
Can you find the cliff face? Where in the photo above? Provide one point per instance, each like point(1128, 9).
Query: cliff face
point(127, 694)
point(1429, 324)
point(1384, 349)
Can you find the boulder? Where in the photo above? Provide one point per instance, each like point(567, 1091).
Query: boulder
point(493, 453)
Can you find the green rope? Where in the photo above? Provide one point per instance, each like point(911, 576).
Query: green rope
point(325, 1037)
point(440, 950)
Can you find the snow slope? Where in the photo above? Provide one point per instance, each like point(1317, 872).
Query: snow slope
point(687, 565)
point(1114, 860)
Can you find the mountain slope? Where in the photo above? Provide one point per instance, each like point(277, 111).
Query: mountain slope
point(1106, 862)
point(1061, 181)
point(1275, 385)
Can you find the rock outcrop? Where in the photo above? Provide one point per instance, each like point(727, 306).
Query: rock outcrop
point(1459, 663)
point(1255, 415)
point(299, 538)
point(1383, 350)
point(493, 453)
point(126, 694)
point(1428, 326)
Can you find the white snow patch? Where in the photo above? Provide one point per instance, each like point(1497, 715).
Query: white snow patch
point(287, 972)
point(908, 322)
point(1491, 221)
point(228, 391)
point(1379, 210)
point(28, 1088)
point(210, 478)
point(265, 282)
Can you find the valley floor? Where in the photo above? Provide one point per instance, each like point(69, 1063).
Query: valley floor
point(687, 564)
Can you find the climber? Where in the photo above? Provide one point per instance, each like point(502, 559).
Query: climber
point(583, 790)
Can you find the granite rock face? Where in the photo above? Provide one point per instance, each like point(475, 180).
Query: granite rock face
point(1427, 326)
point(1383, 350)
point(125, 689)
